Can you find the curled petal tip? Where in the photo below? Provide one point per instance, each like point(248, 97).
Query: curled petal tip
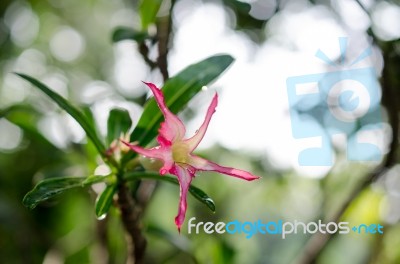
point(214, 102)
point(178, 224)
point(215, 96)
point(244, 175)
point(148, 83)
point(151, 85)
point(254, 178)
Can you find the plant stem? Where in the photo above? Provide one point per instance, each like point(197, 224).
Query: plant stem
point(132, 209)
point(130, 214)
point(164, 30)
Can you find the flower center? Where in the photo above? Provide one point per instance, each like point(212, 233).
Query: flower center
point(180, 152)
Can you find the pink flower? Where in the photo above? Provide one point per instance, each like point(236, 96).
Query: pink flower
point(176, 152)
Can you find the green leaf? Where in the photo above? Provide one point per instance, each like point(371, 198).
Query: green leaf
point(202, 197)
point(178, 91)
point(104, 200)
point(148, 11)
point(70, 109)
point(124, 33)
point(118, 122)
point(194, 191)
point(49, 188)
point(16, 108)
point(92, 179)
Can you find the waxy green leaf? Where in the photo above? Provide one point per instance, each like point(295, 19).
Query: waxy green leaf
point(49, 188)
point(104, 200)
point(148, 12)
point(118, 122)
point(124, 33)
point(70, 109)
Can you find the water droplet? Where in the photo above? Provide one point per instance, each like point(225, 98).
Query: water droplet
point(210, 203)
point(101, 217)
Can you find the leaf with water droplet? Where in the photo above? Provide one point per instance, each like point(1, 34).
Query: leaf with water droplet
point(104, 201)
point(202, 196)
point(49, 188)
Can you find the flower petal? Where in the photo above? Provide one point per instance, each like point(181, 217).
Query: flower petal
point(184, 178)
point(194, 141)
point(206, 165)
point(167, 167)
point(150, 153)
point(165, 143)
point(160, 153)
point(172, 129)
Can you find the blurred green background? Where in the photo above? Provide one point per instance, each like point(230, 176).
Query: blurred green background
point(68, 45)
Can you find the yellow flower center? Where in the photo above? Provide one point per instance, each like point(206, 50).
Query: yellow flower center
point(180, 152)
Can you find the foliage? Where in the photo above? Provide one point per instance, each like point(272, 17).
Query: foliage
point(72, 183)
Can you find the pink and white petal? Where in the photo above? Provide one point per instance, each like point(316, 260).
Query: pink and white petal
point(172, 129)
point(157, 152)
point(168, 166)
point(160, 153)
point(184, 178)
point(165, 143)
point(194, 141)
point(206, 165)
